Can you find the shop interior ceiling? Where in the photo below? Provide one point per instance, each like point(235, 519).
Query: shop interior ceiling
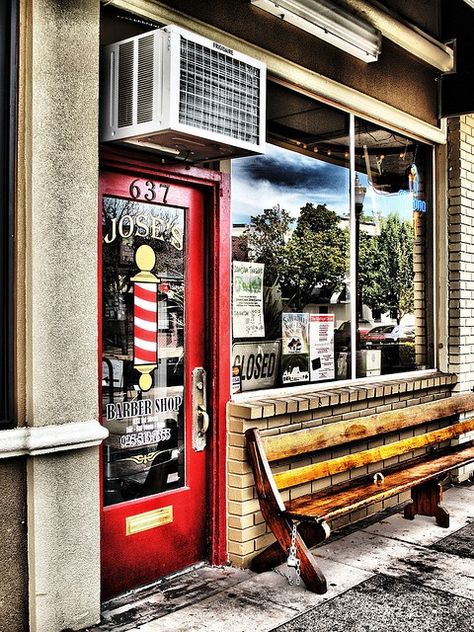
point(298, 122)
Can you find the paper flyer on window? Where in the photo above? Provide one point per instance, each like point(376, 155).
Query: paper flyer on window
point(321, 347)
point(294, 348)
point(247, 300)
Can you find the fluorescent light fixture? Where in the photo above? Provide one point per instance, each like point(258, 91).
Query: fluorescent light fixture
point(328, 22)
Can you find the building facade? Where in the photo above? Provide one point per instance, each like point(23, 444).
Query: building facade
point(142, 334)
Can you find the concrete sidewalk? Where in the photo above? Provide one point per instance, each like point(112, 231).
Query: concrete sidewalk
point(390, 575)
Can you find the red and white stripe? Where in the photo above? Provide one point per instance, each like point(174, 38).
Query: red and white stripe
point(145, 323)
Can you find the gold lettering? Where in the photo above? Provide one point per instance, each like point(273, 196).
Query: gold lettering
point(143, 226)
point(177, 238)
point(113, 233)
point(141, 223)
point(124, 222)
point(157, 228)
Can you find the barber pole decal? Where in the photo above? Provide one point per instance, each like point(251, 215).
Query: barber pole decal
point(145, 322)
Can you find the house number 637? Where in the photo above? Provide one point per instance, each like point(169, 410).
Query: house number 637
point(148, 190)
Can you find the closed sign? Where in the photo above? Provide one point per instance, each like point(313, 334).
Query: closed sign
point(258, 363)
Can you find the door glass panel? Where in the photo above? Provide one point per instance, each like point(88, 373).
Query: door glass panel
point(143, 348)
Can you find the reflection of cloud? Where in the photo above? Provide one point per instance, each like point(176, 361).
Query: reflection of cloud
point(249, 199)
point(286, 178)
point(286, 169)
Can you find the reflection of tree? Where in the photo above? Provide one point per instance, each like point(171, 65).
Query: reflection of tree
point(312, 256)
point(114, 281)
point(265, 239)
point(114, 277)
point(315, 256)
point(386, 268)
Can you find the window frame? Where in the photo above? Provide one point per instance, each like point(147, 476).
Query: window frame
point(8, 160)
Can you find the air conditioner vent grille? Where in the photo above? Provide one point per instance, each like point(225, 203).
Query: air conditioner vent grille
point(125, 85)
point(219, 93)
point(146, 65)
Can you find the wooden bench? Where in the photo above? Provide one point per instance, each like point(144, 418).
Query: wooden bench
point(420, 473)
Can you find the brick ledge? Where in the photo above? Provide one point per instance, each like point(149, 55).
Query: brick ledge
point(333, 396)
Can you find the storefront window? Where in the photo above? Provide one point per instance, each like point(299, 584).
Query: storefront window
point(318, 272)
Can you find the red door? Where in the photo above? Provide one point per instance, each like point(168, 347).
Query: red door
point(153, 388)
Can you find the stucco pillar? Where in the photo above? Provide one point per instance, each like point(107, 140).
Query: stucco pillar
point(61, 78)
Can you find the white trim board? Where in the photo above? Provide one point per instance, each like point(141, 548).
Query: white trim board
point(49, 439)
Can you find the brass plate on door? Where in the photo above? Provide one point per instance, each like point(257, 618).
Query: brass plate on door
point(149, 520)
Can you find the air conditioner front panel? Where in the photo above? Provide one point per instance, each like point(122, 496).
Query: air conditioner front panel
point(219, 92)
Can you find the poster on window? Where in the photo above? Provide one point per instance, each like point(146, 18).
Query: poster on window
point(294, 348)
point(247, 300)
point(321, 347)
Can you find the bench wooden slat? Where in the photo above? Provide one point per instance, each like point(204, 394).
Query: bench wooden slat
point(330, 504)
point(312, 439)
point(315, 471)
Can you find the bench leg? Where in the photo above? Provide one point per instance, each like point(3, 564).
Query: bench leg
point(273, 555)
point(311, 574)
point(277, 552)
point(425, 501)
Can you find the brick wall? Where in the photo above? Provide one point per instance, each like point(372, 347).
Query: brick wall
point(461, 250)
point(419, 284)
point(247, 531)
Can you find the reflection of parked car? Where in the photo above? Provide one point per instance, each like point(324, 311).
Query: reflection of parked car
point(401, 333)
point(377, 335)
point(342, 335)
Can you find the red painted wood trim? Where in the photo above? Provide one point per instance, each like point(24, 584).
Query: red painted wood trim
point(220, 286)
point(99, 338)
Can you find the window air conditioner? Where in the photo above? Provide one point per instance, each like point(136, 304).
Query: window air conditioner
point(184, 95)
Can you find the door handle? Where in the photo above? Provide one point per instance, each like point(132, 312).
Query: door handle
point(199, 405)
point(205, 420)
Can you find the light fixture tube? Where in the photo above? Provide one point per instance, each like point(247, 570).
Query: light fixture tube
point(330, 23)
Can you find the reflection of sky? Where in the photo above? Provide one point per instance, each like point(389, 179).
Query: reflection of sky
point(286, 178)
point(291, 180)
point(384, 204)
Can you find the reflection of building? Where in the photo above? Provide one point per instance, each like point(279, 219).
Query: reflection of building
point(239, 244)
point(51, 467)
point(368, 225)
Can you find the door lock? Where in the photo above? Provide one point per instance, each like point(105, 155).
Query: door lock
point(199, 404)
point(205, 419)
